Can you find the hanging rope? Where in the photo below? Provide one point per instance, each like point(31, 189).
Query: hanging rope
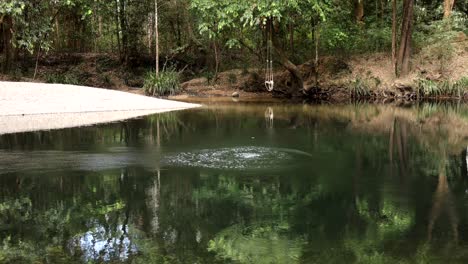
point(269, 81)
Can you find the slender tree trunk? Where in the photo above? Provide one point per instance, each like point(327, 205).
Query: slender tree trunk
point(173, 38)
point(316, 61)
point(156, 33)
point(390, 147)
point(382, 10)
point(394, 37)
point(123, 28)
point(37, 60)
point(179, 34)
point(404, 53)
point(81, 41)
point(93, 30)
point(291, 37)
point(7, 42)
point(448, 6)
point(150, 33)
point(100, 25)
point(99, 18)
point(117, 34)
point(57, 34)
point(75, 29)
point(215, 47)
point(111, 34)
point(315, 38)
point(2, 44)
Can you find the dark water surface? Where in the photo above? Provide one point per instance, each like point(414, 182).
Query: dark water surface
point(229, 184)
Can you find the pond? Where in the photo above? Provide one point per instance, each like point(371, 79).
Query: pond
point(242, 183)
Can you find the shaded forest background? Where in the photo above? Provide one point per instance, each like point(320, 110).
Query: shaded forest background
point(204, 37)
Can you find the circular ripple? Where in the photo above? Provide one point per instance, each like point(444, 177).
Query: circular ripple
point(235, 158)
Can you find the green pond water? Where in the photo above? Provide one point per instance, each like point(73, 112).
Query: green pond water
point(242, 183)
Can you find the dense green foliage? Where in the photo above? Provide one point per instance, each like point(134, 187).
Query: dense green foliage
point(196, 32)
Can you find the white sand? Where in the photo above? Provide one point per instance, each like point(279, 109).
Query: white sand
point(37, 106)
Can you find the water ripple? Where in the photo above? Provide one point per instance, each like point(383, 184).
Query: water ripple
point(236, 158)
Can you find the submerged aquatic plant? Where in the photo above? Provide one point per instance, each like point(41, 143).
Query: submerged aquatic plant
point(262, 242)
point(165, 83)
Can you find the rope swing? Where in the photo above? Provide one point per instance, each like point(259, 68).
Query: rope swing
point(269, 82)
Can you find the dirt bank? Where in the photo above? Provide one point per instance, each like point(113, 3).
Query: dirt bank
point(364, 76)
point(367, 76)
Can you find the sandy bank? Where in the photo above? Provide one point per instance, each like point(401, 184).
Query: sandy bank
point(20, 98)
point(37, 106)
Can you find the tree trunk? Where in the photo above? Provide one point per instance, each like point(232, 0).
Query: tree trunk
point(100, 25)
point(150, 33)
point(179, 33)
point(291, 67)
point(448, 6)
point(117, 34)
point(111, 34)
point(7, 42)
point(123, 28)
point(93, 30)
point(57, 34)
point(394, 37)
point(215, 47)
point(359, 10)
point(37, 60)
point(315, 38)
point(316, 61)
point(291, 37)
point(192, 39)
point(382, 10)
point(156, 33)
point(404, 53)
point(99, 18)
point(1, 36)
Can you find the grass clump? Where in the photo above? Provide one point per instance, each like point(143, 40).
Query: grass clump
point(232, 78)
point(362, 87)
point(63, 78)
point(210, 77)
point(462, 83)
point(445, 88)
point(166, 83)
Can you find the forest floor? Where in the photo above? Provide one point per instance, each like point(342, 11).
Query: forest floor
point(337, 76)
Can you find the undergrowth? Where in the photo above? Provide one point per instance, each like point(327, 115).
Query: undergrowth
point(166, 83)
point(445, 88)
point(63, 78)
point(362, 87)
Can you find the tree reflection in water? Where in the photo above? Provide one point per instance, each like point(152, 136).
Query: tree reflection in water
point(371, 189)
